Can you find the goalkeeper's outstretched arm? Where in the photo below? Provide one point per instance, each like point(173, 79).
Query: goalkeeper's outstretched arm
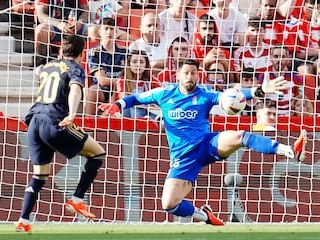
point(275, 86)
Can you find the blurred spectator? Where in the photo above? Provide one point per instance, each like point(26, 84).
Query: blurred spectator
point(248, 79)
point(216, 77)
point(56, 18)
point(26, 8)
point(135, 78)
point(106, 63)
point(266, 116)
point(311, 29)
point(176, 21)
point(231, 23)
point(255, 54)
point(280, 59)
point(102, 9)
point(151, 42)
point(178, 52)
point(160, 5)
point(301, 106)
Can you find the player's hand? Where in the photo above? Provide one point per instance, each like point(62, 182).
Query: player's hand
point(110, 109)
point(276, 85)
point(67, 121)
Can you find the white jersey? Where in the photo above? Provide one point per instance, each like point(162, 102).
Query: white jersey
point(154, 52)
point(171, 28)
point(246, 57)
point(235, 23)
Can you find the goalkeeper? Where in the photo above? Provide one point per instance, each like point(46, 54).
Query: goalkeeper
point(51, 128)
point(185, 108)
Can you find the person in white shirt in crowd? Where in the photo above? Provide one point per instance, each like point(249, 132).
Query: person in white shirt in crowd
point(102, 9)
point(176, 21)
point(151, 42)
point(255, 53)
point(232, 24)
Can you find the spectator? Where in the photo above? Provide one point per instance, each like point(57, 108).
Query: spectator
point(54, 21)
point(311, 29)
point(106, 63)
point(176, 21)
point(301, 106)
point(266, 116)
point(248, 79)
point(216, 77)
point(151, 42)
point(269, 14)
point(160, 5)
point(231, 23)
point(100, 10)
point(280, 59)
point(255, 54)
point(135, 78)
point(178, 52)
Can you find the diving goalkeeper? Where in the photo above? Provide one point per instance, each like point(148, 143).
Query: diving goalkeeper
point(186, 107)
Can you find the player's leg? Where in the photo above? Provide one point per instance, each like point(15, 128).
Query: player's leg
point(174, 192)
point(95, 155)
point(40, 155)
point(230, 141)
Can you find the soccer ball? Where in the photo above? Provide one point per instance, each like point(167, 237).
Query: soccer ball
point(232, 101)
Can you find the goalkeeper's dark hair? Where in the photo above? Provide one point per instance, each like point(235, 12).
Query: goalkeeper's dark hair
point(189, 62)
point(72, 46)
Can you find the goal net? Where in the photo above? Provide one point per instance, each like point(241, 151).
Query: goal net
point(129, 185)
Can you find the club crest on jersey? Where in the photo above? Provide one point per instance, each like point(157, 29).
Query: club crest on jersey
point(195, 100)
point(179, 113)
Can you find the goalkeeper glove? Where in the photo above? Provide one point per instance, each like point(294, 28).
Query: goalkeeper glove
point(110, 109)
point(271, 86)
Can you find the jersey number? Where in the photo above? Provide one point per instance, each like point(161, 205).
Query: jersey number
point(49, 87)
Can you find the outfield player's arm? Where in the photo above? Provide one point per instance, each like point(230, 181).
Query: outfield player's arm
point(74, 99)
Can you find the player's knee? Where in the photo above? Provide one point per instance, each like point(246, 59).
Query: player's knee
point(95, 162)
point(43, 177)
point(169, 204)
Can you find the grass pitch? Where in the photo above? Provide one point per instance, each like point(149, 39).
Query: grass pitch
point(164, 232)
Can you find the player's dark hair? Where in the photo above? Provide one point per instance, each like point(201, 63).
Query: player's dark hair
point(108, 22)
point(189, 62)
point(206, 18)
point(72, 46)
point(257, 23)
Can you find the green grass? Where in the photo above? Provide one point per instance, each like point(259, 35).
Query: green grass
point(164, 231)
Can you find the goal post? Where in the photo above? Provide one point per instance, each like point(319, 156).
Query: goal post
point(128, 187)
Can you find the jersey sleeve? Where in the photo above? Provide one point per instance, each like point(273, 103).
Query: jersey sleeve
point(148, 97)
point(77, 76)
point(94, 61)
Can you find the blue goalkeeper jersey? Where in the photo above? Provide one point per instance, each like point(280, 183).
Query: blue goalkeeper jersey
point(186, 117)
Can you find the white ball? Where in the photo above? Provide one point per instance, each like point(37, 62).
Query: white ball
point(232, 101)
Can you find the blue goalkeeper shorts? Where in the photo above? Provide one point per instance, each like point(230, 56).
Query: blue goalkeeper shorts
point(190, 165)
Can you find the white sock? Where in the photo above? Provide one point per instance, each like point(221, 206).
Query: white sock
point(199, 214)
point(285, 150)
point(76, 199)
point(24, 221)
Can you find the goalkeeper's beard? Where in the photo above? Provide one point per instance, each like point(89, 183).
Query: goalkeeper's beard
point(189, 86)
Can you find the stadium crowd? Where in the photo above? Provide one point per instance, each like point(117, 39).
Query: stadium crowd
point(234, 47)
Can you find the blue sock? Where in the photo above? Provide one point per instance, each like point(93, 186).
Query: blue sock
point(30, 196)
point(183, 209)
point(259, 143)
point(88, 175)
